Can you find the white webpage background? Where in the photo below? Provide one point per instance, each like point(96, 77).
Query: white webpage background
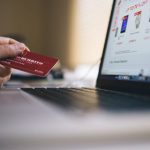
point(128, 53)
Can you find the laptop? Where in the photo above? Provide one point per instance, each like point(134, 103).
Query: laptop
point(123, 85)
point(124, 63)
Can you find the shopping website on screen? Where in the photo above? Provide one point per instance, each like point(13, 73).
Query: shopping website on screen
point(128, 47)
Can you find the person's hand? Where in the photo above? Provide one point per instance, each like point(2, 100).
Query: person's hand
point(9, 48)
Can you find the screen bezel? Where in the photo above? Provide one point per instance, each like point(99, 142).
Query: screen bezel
point(104, 82)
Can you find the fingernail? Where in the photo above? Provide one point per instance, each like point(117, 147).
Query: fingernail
point(22, 48)
point(1, 85)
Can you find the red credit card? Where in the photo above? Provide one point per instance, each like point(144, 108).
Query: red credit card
point(31, 62)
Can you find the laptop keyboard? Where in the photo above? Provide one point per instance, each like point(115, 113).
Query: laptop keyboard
point(87, 98)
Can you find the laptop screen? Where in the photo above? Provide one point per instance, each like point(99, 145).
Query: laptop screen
point(127, 53)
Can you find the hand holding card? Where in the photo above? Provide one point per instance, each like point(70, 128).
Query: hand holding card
point(31, 62)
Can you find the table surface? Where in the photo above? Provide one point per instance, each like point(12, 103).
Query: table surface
point(89, 131)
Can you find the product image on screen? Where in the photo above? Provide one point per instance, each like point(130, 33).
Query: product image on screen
point(124, 24)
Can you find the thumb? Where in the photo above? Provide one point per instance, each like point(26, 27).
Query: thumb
point(11, 50)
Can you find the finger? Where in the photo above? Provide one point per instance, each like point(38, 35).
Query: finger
point(4, 80)
point(5, 74)
point(6, 40)
point(4, 71)
point(12, 41)
point(11, 50)
point(26, 48)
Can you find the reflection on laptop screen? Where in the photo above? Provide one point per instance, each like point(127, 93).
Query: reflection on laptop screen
point(127, 55)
